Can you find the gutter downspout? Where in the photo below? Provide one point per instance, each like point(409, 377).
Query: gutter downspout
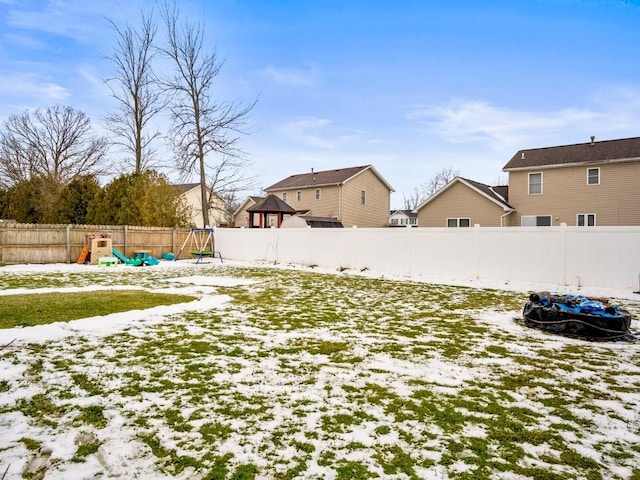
point(508, 213)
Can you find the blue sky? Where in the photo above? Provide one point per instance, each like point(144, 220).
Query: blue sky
point(410, 87)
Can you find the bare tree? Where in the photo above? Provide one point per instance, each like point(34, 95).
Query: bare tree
point(413, 200)
point(205, 130)
point(499, 181)
point(136, 92)
point(427, 189)
point(54, 143)
point(439, 180)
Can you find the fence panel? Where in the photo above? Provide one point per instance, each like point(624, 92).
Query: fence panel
point(35, 243)
point(606, 257)
point(596, 256)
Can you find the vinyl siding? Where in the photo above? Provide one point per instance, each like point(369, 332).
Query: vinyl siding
point(459, 201)
point(343, 201)
point(242, 218)
point(327, 206)
point(375, 212)
point(565, 193)
point(216, 213)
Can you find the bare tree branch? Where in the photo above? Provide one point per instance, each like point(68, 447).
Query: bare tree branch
point(205, 131)
point(54, 143)
point(136, 92)
point(427, 189)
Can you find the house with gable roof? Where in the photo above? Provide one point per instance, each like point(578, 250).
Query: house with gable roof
point(585, 184)
point(355, 196)
point(241, 216)
point(403, 218)
point(464, 203)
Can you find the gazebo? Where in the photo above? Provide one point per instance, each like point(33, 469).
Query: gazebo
point(271, 205)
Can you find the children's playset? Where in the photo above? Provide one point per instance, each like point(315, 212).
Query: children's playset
point(98, 250)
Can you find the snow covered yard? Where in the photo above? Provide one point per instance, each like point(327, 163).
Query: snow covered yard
point(285, 373)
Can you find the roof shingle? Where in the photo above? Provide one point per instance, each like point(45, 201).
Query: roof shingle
point(580, 153)
point(271, 204)
point(326, 177)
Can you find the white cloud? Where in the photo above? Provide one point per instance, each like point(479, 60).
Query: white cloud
point(501, 128)
point(29, 86)
point(613, 112)
point(291, 77)
point(71, 18)
point(322, 133)
point(307, 130)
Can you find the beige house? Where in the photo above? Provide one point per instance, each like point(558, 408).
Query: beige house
point(355, 196)
point(464, 203)
point(585, 184)
point(191, 193)
point(593, 183)
point(241, 216)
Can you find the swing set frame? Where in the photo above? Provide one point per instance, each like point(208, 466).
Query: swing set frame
point(201, 244)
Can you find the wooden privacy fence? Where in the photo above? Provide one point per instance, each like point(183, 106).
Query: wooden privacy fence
point(34, 243)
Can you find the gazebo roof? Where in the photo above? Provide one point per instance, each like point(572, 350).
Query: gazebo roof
point(271, 204)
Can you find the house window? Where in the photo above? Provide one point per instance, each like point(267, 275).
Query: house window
point(586, 220)
point(363, 197)
point(413, 220)
point(458, 222)
point(593, 176)
point(299, 195)
point(535, 220)
point(317, 194)
point(284, 197)
point(535, 183)
point(394, 221)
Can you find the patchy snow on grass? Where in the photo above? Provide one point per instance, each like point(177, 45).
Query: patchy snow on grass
point(292, 372)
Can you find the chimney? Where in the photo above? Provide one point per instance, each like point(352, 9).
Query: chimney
point(311, 169)
point(593, 140)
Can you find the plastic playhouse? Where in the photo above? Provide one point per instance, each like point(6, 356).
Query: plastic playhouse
point(98, 250)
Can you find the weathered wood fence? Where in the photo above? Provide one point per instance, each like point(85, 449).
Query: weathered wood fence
point(33, 243)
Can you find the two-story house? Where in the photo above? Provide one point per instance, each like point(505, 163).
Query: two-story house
point(355, 196)
point(585, 184)
point(593, 183)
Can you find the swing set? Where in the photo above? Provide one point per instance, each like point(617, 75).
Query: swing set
point(201, 244)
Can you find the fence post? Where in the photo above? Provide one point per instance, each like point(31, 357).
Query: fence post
point(124, 236)
point(353, 247)
point(563, 228)
point(68, 243)
point(174, 237)
point(476, 238)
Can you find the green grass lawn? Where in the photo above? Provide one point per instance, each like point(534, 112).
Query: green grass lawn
point(38, 309)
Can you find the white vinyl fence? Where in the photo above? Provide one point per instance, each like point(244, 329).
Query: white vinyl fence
point(607, 257)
